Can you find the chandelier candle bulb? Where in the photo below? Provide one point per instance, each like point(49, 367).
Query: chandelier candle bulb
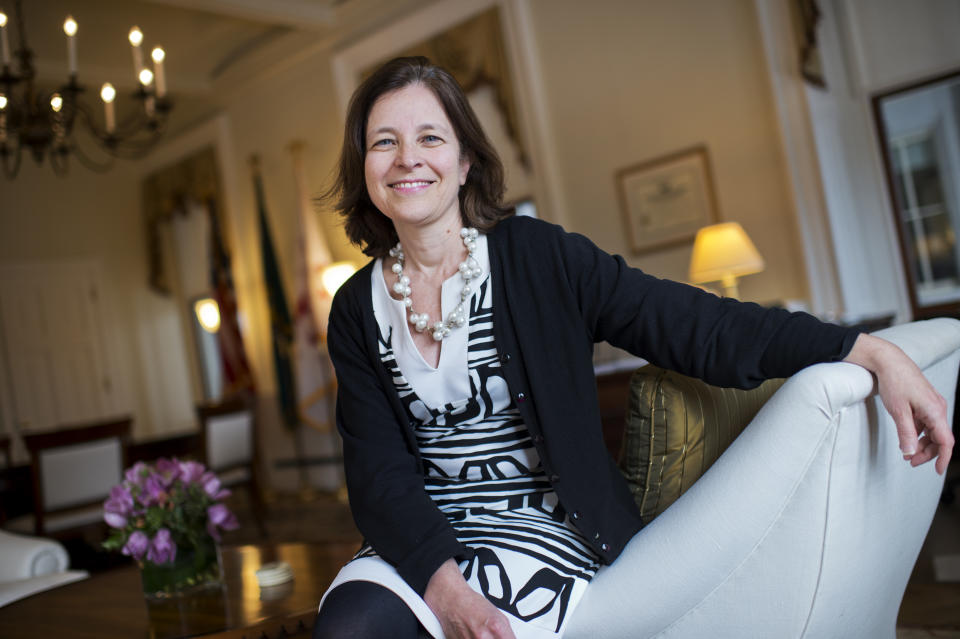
point(70, 28)
point(160, 79)
point(149, 106)
point(107, 94)
point(136, 39)
point(56, 104)
point(4, 44)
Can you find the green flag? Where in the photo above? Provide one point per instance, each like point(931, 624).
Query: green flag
point(281, 328)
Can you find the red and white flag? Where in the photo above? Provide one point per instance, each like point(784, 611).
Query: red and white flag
point(315, 381)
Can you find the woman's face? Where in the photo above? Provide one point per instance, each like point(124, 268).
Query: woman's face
point(412, 167)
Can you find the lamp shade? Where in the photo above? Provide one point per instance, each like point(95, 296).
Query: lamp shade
point(723, 252)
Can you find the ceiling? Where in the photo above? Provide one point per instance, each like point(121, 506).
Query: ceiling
point(209, 44)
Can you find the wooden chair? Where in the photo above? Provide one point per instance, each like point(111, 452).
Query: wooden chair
point(5, 450)
point(74, 468)
point(228, 436)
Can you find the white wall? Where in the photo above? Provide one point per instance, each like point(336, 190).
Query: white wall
point(894, 42)
point(629, 81)
point(89, 215)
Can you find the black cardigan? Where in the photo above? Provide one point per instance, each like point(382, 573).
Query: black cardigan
point(555, 294)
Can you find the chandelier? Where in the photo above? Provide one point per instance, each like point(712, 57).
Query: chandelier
point(46, 123)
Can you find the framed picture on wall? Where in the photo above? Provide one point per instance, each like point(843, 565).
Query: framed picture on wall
point(665, 200)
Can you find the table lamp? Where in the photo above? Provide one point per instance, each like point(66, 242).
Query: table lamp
point(208, 314)
point(335, 274)
point(723, 252)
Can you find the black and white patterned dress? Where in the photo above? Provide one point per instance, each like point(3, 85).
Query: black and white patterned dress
point(483, 472)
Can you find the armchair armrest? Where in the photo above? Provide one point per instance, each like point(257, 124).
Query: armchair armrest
point(22, 557)
point(30, 565)
point(808, 525)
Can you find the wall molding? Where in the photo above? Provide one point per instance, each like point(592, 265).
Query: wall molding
point(800, 154)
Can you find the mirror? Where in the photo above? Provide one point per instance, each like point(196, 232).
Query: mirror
point(919, 129)
point(190, 239)
point(205, 316)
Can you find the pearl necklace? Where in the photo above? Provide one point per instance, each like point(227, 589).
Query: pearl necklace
point(469, 270)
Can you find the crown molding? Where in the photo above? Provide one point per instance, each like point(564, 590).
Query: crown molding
point(299, 14)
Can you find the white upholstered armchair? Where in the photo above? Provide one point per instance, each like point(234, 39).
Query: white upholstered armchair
point(808, 526)
point(32, 564)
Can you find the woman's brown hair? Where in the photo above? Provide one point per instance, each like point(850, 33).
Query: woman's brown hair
point(481, 197)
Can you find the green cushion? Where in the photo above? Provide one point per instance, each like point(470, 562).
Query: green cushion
point(676, 427)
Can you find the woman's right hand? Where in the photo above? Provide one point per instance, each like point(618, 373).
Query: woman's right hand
point(463, 612)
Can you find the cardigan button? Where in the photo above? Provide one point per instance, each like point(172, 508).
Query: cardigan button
point(504, 358)
point(605, 547)
point(575, 515)
point(538, 439)
point(596, 536)
point(554, 478)
point(521, 397)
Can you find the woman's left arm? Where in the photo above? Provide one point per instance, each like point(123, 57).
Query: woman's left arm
point(918, 410)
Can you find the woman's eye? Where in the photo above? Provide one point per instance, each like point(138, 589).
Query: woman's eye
point(382, 143)
point(431, 139)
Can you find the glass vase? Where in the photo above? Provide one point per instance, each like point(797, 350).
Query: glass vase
point(193, 569)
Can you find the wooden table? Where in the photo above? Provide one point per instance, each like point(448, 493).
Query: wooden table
point(111, 604)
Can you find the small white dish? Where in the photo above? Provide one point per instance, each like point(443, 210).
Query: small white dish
point(274, 574)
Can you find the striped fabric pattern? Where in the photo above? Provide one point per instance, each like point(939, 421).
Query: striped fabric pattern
point(676, 428)
point(484, 473)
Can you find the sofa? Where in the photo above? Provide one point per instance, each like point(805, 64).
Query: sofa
point(807, 526)
point(32, 564)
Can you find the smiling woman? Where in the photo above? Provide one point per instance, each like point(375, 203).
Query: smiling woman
point(414, 170)
point(472, 449)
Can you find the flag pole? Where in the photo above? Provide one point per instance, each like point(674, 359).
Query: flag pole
point(281, 324)
point(311, 362)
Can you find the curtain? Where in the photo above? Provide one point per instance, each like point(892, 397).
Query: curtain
point(165, 194)
point(473, 52)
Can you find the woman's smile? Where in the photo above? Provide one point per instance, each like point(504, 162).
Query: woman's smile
point(411, 186)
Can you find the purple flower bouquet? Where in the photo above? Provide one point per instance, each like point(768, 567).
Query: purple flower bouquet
point(168, 517)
